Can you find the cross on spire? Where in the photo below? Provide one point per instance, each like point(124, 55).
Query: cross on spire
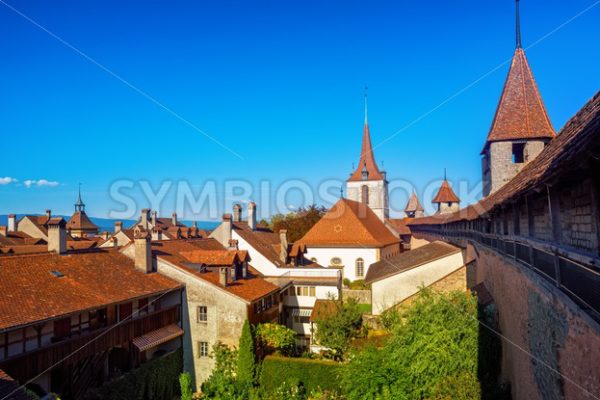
point(518, 27)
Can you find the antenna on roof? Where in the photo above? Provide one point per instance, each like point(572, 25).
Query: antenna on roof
point(366, 108)
point(518, 27)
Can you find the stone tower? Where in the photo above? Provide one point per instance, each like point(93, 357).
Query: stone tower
point(367, 184)
point(521, 127)
point(413, 208)
point(447, 201)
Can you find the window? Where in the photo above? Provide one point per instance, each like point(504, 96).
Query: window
point(360, 267)
point(202, 313)
point(203, 349)
point(518, 153)
point(364, 194)
point(301, 319)
point(336, 261)
point(305, 291)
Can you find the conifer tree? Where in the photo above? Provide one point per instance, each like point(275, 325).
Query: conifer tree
point(246, 358)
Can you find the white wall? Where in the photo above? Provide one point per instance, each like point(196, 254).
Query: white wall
point(348, 256)
point(390, 291)
point(378, 196)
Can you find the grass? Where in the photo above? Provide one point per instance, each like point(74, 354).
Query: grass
point(365, 308)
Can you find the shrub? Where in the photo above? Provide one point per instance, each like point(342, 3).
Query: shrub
point(335, 330)
point(433, 346)
point(276, 337)
point(185, 386)
point(222, 383)
point(246, 362)
point(309, 375)
point(156, 379)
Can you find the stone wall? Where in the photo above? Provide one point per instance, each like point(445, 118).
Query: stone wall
point(577, 217)
point(361, 296)
point(551, 347)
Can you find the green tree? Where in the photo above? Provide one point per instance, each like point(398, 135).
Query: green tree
point(185, 385)
point(275, 337)
point(246, 361)
point(299, 222)
point(336, 329)
point(222, 382)
point(432, 353)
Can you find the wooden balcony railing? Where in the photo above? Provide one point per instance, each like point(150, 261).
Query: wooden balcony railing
point(70, 351)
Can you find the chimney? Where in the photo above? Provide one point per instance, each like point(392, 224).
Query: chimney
point(226, 230)
point(57, 236)
point(283, 254)
point(237, 213)
point(115, 242)
point(3, 230)
point(156, 233)
point(252, 215)
point(12, 223)
point(154, 219)
point(223, 276)
point(144, 218)
point(143, 250)
point(105, 235)
point(233, 244)
point(118, 226)
point(174, 219)
point(49, 214)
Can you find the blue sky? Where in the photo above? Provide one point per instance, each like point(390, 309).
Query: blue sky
point(279, 82)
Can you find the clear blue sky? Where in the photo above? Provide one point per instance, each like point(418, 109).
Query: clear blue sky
point(279, 82)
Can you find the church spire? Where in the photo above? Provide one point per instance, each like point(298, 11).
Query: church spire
point(518, 27)
point(366, 165)
point(79, 205)
point(366, 107)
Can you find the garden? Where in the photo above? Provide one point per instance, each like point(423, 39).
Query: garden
point(428, 350)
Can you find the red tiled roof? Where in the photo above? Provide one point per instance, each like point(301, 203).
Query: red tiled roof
point(367, 158)
point(445, 194)
point(413, 204)
point(564, 153)
point(322, 309)
point(250, 289)
point(263, 240)
point(521, 113)
point(216, 257)
point(408, 260)
point(31, 292)
point(80, 221)
point(399, 224)
point(157, 337)
point(349, 224)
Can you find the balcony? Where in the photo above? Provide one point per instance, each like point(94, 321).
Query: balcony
point(70, 351)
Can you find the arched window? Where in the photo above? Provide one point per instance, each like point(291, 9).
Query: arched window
point(360, 268)
point(335, 261)
point(364, 194)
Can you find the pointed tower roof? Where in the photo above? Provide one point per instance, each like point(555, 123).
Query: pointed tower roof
point(367, 158)
point(79, 205)
point(413, 204)
point(445, 194)
point(521, 113)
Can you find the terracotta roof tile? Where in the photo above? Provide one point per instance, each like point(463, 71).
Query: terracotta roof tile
point(80, 220)
point(367, 159)
point(409, 259)
point(349, 224)
point(250, 289)
point(521, 113)
point(564, 153)
point(413, 204)
point(445, 194)
point(90, 280)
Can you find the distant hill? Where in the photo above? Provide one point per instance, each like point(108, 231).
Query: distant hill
point(107, 224)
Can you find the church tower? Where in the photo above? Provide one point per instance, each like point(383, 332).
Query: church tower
point(367, 184)
point(521, 127)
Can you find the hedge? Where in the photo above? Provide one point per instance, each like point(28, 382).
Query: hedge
point(155, 380)
point(311, 374)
